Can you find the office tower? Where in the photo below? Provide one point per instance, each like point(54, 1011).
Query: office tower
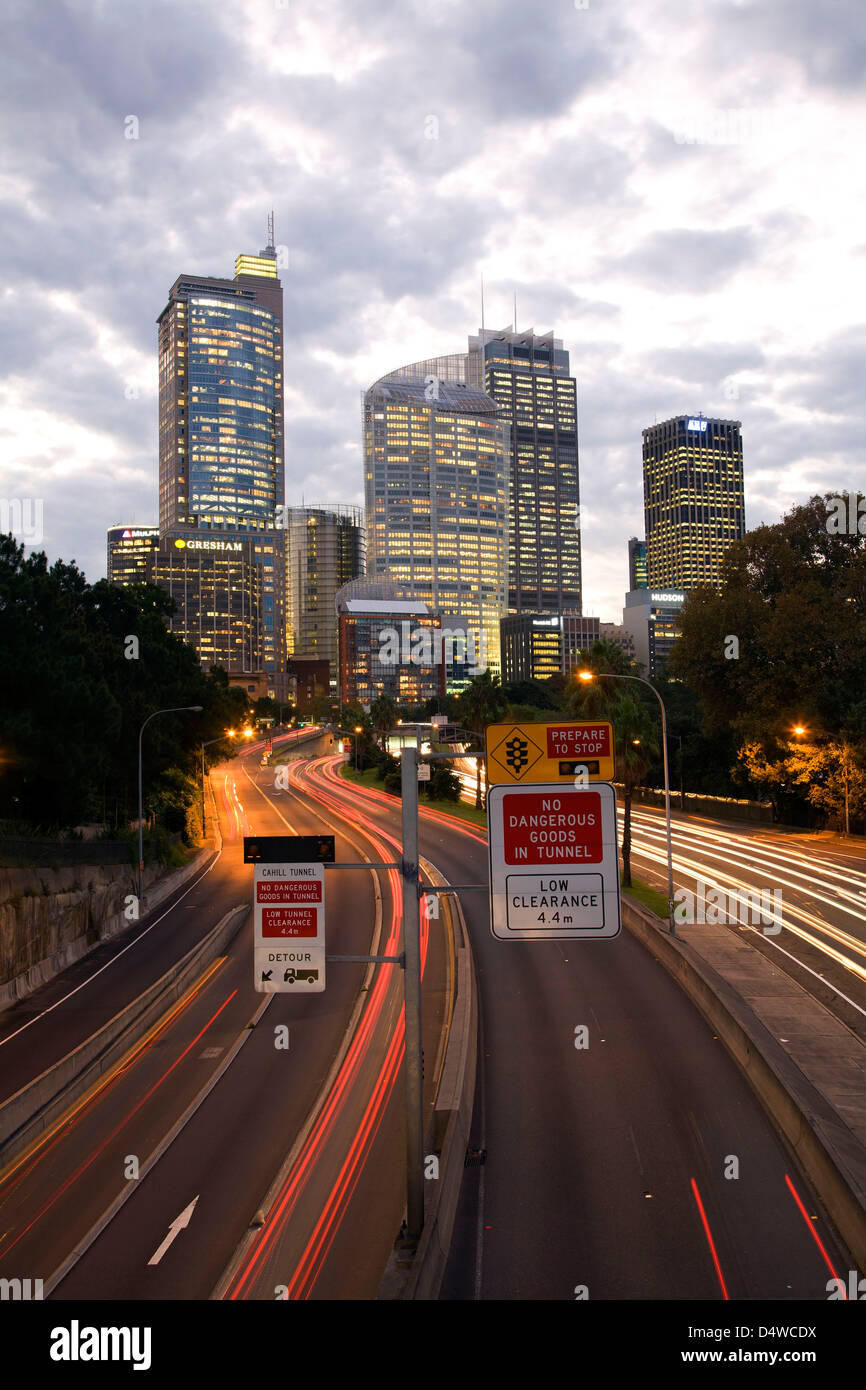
point(221, 466)
point(131, 551)
point(389, 645)
point(436, 460)
point(651, 618)
point(693, 499)
point(324, 550)
point(536, 646)
point(636, 564)
point(527, 374)
point(216, 582)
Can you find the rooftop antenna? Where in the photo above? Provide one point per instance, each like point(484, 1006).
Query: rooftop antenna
point(515, 311)
point(271, 227)
point(482, 301)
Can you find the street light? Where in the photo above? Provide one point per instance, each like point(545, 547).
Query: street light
point(175, 709)
point(358, 730)
point(203, 747)
point(610, 675)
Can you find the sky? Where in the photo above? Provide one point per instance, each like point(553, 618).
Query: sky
point(676, 190)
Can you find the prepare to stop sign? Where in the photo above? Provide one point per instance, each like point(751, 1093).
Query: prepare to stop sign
point(553, 862)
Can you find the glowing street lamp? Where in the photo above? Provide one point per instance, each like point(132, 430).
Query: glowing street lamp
point(611, 676)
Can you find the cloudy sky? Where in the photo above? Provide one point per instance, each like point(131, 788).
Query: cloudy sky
point(676, 189)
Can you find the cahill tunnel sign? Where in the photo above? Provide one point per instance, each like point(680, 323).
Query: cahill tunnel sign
point(553, 862)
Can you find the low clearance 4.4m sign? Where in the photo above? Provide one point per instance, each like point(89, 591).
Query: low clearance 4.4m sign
point(289, 911)
point(554, 870)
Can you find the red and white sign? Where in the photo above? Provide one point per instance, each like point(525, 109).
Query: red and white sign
point(554, 868)
point(289, 928)
point(579, 741)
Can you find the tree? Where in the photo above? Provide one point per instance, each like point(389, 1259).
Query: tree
point(783, 643)
point(383, 714)
point(482, 703)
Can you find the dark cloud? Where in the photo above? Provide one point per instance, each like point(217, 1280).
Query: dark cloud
point(685, 261)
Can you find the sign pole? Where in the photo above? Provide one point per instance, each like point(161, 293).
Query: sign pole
point(412, 985)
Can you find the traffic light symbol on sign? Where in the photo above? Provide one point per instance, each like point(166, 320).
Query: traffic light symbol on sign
point(517, 754)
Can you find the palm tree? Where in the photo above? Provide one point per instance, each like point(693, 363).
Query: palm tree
point(482, 703)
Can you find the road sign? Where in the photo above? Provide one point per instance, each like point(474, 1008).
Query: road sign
point(289, 911)
point(423, 772)
point(554, 870)
point(550, 752)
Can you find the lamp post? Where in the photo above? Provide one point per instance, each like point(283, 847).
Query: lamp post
point(610, 675)
point(175, 709)
point(358, 731)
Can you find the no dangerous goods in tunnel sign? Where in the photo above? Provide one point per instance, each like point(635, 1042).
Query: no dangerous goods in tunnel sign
point(554, 872)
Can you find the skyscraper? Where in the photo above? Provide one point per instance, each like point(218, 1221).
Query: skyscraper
point(527, 374)
point(221, 469)
point(693, 499)
point(436, 459)
point(636, 564)
point(324, 550)
point(131, 552)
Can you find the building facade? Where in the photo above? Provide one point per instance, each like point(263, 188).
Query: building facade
point(216, 583)
point(221, 467)
point(528, 375)
point(325, 549)
point(536, 646)
point(389, 646)
point(693, 499)
point(131, 552)
point(636, 564)
point(436, 493)
point(651, 617)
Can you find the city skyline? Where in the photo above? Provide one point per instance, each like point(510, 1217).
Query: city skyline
point(690, 229)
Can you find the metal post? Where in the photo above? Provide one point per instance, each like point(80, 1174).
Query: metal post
point(140, 828)
point(412, 985)
point(615, 676)
point(667, 817)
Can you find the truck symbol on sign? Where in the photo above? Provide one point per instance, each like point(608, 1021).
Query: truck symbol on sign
point(296, 977)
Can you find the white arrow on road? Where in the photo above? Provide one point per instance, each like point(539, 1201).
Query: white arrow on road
point(178, 1224)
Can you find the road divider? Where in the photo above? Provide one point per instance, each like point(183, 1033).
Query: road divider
point(419, 1277)
point(33, 1109)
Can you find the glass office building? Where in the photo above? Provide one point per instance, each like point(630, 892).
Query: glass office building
point(436, 492)
point(216, 583)
point(693, 499)
point(527, 374)
point(324, 550)
point(221, 470)
point(131, 551)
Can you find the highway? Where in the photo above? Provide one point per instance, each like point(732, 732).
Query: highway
point(606, 1167)
point(213, 1110)
point(279, 1173)
point(814, 888)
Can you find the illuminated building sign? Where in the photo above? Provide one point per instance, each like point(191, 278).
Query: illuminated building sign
point(667, 598)
point(181, 544)
point(700, 425)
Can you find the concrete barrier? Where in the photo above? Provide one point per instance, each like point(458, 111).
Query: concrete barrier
point(830, 1153)
point(419, 1277)
point(38, 1104)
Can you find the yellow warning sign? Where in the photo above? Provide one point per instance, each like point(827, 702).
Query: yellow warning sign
point(550, 752)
